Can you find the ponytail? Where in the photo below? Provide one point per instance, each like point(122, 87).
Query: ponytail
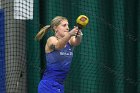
point(42, 32)
point(55, 22)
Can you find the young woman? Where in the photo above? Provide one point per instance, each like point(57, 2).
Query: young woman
point(59, 53)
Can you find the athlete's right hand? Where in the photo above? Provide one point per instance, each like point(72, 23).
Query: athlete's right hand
point(74, 31)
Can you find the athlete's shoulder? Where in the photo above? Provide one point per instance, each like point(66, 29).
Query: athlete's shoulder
point(51, 40)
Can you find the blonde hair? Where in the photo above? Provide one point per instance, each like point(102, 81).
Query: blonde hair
point(55, 22)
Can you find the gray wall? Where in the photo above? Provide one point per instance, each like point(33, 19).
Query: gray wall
point(15, 39)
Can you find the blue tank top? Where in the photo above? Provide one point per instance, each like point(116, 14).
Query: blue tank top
point(58, 64)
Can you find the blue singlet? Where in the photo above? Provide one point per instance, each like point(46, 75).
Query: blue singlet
point(58, 64)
